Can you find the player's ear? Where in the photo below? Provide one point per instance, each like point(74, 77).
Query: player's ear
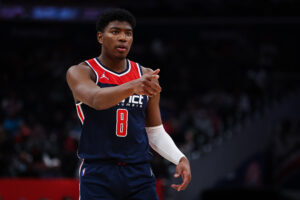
point(100, 37)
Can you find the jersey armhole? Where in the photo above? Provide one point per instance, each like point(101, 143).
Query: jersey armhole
point(139, 69)
point(97, 77)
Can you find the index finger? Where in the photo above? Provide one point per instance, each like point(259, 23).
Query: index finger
point(156, 71)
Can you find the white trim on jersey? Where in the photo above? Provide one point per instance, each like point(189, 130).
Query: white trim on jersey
point(80, 109)
point(80, 166)
point(109, 71)
point(139, 69)
point(79, 173)
point(97, 76)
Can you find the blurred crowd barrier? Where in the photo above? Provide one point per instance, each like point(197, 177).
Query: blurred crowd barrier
point(46, 189)
point(39, 189)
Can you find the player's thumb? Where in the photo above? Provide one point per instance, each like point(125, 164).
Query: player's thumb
point(177, 173)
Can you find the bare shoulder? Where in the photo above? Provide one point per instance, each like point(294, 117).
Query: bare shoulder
point(80, 67)
point(79, 70)
point(147, 70)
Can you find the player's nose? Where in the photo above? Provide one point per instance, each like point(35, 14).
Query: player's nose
point(122, 37)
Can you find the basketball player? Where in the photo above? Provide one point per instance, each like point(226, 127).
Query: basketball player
point(117, 102)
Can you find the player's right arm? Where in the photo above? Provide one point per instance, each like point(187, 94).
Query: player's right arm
point(81, 80)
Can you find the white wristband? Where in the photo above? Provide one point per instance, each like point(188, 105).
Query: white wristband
point(163, 144)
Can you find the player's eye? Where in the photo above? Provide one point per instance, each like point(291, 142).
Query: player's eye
point(129, 33)
point(115, 32)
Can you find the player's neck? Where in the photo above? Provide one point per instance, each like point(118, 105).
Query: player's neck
point(117, 65)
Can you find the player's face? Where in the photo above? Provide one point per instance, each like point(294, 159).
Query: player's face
point(116, 39)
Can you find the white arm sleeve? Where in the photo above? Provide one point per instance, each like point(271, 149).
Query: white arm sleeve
point(163, 144)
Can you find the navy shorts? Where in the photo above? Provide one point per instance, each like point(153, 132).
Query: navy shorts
point(117, 181)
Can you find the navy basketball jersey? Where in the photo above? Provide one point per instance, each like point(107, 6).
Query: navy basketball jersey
point(118, 132)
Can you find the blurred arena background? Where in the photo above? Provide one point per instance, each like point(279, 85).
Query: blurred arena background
point(230, 77)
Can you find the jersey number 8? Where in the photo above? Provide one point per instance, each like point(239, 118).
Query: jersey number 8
point(122, 121)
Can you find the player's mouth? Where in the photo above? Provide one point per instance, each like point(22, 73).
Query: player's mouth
point(122, 48)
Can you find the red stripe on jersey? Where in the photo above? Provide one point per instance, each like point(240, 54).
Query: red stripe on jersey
point(80, 114)
point(109, 77)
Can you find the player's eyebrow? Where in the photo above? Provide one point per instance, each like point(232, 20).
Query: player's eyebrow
point(117, 28)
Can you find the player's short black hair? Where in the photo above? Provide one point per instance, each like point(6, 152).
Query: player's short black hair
point(112, 15)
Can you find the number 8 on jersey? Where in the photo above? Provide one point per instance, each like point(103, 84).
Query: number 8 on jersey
point(121, 124)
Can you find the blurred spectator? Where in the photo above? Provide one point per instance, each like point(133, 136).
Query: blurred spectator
point(285, 152)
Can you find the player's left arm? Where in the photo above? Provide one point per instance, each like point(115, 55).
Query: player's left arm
point(162, 143)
